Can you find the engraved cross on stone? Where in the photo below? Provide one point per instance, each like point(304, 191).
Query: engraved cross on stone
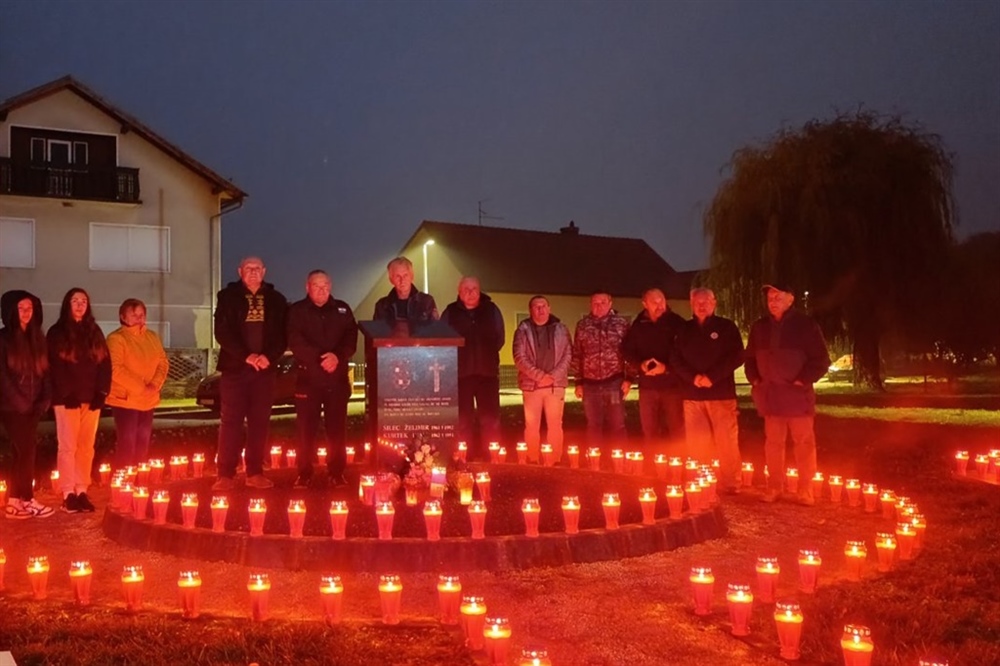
point(436, 368)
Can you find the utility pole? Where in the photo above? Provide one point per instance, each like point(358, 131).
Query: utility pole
point(483, 215)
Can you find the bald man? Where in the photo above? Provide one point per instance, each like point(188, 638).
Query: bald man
point(478, 320)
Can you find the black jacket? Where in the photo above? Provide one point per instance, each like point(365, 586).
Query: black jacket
point(231, 312)
point(713, 349)
point(315, 330)
point(780, 353)
point(652, 339)
point(419, 307)
point(482, 328)
point(20, 393)
point(75, 382)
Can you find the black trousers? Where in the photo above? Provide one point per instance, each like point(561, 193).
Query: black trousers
point(23, 432)
point(331, 405)
point(246, 398)
point(478, 396)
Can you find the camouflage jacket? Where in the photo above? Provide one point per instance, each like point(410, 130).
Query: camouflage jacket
point(597, 348)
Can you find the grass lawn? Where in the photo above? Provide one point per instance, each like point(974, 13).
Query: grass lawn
point(635, 611)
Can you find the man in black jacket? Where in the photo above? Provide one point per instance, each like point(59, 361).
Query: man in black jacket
point(323, 335)
point(404, 302)
point(786, 355)
point(250, 330)
point(646, 349)
point(476, 318)
point(706, 353)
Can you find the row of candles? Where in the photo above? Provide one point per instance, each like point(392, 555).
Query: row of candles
point(987, 465)
point(135, 501)
point(486, 633)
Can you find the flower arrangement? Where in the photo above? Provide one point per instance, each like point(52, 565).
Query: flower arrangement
point(421, 458)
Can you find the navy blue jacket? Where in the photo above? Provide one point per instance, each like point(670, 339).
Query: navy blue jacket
point(482, 328)
point(780, 353)
point(714, 349)
point(315, 330)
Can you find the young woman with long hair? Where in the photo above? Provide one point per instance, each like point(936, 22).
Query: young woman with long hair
point(81, 379)
point(25, 392)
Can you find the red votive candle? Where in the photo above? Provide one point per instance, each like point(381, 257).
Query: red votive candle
point(477, 519)
point(746, 474)
point(331, 593)
point(767, 578)
point(189, 591)
point(788, 621)
point(611, 503)
point(702, 584)
point(161, 500)
point(836, 488)
point(857, 645)
point(189, 510)
point(483, 486)
point(496, 640)
point(259, 587)
point(853, 489)
point(647, 500)
point(338, 519)
point(855, 553)
point(739, 599)
point(80, 576)
point(594, 458)
point(390, 592)
point(885, 544)
point(220, 507)
point(870, 493)
point(38, 575)
point(140, 502)
point(809, 563)
point(449, 597)
point(432, 519)
point(132, 584)
point(573, 454)
point(675, 502)
point(473, 620)
point(385, 515)
point(530, 509)
point(258, 509)
point(571, 514)
point(296, 517)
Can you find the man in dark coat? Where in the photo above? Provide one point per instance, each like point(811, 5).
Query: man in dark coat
point(646, 348)
point(478, 320)
point(250, 330)
point(706, 353)
point(786, 354)
point(404, 302)
point(323, 336)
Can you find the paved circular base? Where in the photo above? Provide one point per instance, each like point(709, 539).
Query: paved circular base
point(409, 550)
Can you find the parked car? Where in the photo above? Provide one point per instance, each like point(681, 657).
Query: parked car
point(208, 393)
point(842, 369)
point(209, 396)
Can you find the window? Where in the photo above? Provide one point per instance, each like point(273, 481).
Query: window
point(80, 153)
point(521, 316)
point(125, 247)
point(17, 243)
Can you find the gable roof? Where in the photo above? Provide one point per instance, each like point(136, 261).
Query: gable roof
point(542, 262)
point(128, 122)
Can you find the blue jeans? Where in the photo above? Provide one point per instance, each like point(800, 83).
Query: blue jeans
point(133, 430)
point(246, 398)
point(602, 404)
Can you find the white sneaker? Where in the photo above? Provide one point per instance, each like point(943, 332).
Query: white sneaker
point(37, 509)
point(16, 511)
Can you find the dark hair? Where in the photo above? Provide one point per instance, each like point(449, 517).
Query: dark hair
point(26, 350)
point(595, 292)
point(128, 305)
point(78, 338)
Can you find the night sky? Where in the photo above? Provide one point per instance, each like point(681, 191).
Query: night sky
point(350, 122)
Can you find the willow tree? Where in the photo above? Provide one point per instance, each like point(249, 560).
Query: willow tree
point(857, 211)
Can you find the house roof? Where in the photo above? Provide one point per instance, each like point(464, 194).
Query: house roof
point(129, 124)
point(564, 262)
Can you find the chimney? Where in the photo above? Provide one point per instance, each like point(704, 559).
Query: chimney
point(571, 229)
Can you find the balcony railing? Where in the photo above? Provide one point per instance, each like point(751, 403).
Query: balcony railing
point(40, 179)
